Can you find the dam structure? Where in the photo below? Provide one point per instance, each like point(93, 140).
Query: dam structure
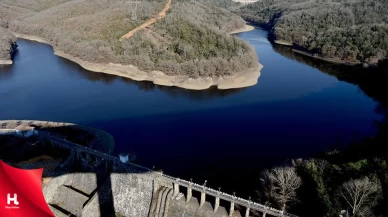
point(166, 200)
point(103, 185)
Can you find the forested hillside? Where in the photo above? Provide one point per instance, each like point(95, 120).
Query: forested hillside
point(349, 30)
point(7, 44)
point(191, 40)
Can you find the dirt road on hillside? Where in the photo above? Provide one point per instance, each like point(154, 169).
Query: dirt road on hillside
point(149, 22)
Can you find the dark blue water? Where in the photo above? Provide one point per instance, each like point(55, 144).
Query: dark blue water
point(225, 137)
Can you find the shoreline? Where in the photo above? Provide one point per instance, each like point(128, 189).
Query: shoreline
point(246, 28)
point(246, 78)
point(291, 45)
point(6, 62)
point(330, 60)
point(284, 43)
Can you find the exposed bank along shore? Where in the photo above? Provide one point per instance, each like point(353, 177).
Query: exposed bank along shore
point(246, 28)
point(315, 56)
point(6, 62)
point(241, 79)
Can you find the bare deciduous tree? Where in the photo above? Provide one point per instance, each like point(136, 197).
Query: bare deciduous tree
point(281, 184)
point(361, 195)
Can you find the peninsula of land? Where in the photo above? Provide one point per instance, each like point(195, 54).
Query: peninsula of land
point(177, 43)
point(241, 79)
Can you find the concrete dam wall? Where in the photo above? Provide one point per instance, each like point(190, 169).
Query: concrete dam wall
point(128, 189)
point(89, 183)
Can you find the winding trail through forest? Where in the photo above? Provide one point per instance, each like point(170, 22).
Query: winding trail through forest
point(161, 15)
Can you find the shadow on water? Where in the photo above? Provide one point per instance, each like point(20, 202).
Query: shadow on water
point(372, 81)
point(5, 72)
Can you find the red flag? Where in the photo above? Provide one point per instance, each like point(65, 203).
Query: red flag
point(21, 193)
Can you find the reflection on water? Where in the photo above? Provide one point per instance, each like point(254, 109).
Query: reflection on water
point(5, 72)
point(372, 81)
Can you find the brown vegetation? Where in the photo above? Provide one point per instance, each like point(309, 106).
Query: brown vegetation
point(190, 40)
point(161, 15)
point(349, 30)
point(7, 44)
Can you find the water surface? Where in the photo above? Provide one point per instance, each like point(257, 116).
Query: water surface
point(224, 137)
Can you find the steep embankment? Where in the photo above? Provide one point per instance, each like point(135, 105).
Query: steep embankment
point(188, 48)
point(340, 31)
point(7, 46)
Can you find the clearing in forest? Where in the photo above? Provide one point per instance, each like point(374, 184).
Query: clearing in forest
point(149, 22)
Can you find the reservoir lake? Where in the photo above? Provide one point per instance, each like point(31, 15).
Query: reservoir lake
point(223, 136)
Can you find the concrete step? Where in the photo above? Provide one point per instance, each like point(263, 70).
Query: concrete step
point(57, 212)
point(86, 183)
point(69, 200)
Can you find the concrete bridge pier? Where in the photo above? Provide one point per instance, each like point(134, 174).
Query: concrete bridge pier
point(71, 159)
point(217, 204)
point(231, 208)
point(83, 157)
point(88, 158)
point(203, 198)
point(109, 166)
point(106, 165)
point(98, 161)
point(189, 194)
point(247, 212)
point(77, 155)
point(176, 190)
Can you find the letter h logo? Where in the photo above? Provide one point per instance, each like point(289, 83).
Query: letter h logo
point(14, 199)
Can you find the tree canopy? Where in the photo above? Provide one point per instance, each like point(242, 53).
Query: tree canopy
point(348, 30)
point(191, 40)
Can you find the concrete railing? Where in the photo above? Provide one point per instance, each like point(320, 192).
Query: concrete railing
point(227, 197)
point(176, 181)
point(60, 142)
